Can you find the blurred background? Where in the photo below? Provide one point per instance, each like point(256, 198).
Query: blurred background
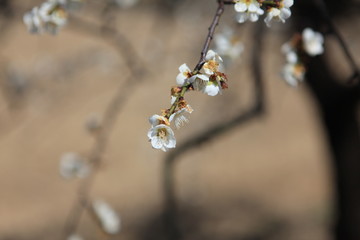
point(268, 176)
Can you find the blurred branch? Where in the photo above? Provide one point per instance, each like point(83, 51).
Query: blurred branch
point(137, 73)
point(170, 215)
point(354, 78)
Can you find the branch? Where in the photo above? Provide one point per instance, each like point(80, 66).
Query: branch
point(214, 24)
point(138, 72)
point(170, 211)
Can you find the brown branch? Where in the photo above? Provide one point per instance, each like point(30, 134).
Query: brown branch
point(214, 24)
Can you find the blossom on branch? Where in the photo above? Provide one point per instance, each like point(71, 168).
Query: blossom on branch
point(228, 45)
point(49, 17)
point(293, 73)
point(162, 137)
point(185, 76)
point(248, 10)
point(73, 165)
point(179, 117)
point(280, 12)
point(312, 42)
point(297, 50)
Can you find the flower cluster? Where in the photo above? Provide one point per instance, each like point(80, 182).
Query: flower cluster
point(228, 45)
point(211, 81)
point(278, 10)
point(308, 44)
point(50, 16)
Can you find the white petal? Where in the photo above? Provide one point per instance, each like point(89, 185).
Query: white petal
point(253, 17)
point(184, 68)
point(212, 89)
point(156, 143)
point(180, 79)
point(240, 7)
point(203, 77)
point(210, 55)
point(291, 57)
point(288, 3)
point(208, 71)
point(285, 14)
point(268, 19)
point(252, 8)
point(154, 120)
point(241, 17)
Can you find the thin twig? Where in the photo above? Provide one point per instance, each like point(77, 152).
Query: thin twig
point(214, 24)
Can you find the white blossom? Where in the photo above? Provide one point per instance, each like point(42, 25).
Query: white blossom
point(73, 165)
point(157, 120)
point(293, 73)
point(185, 75)
point(33, 21)
point(49, 17)
point(110, 221)
point(248, 9)
point(279, 14)
point(290, 53)
point(227, 44)
point(312, 42)
point(162, 137)
point(212, 62)
point(179, 117)
point(212, 88)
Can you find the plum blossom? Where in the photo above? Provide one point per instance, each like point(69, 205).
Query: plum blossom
point(157, 119)
point(179, 117)
point(312, 42)
point(248, 9)
point(293, 73)
point(162, 137)
point(33, 21)
point(290, 53)
point(280, 13)
point(110, 221)
point(211, 65)
point(227, 44)
point(49, 17)
point(212, 88)
point(73, 165)
point(185, 76)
